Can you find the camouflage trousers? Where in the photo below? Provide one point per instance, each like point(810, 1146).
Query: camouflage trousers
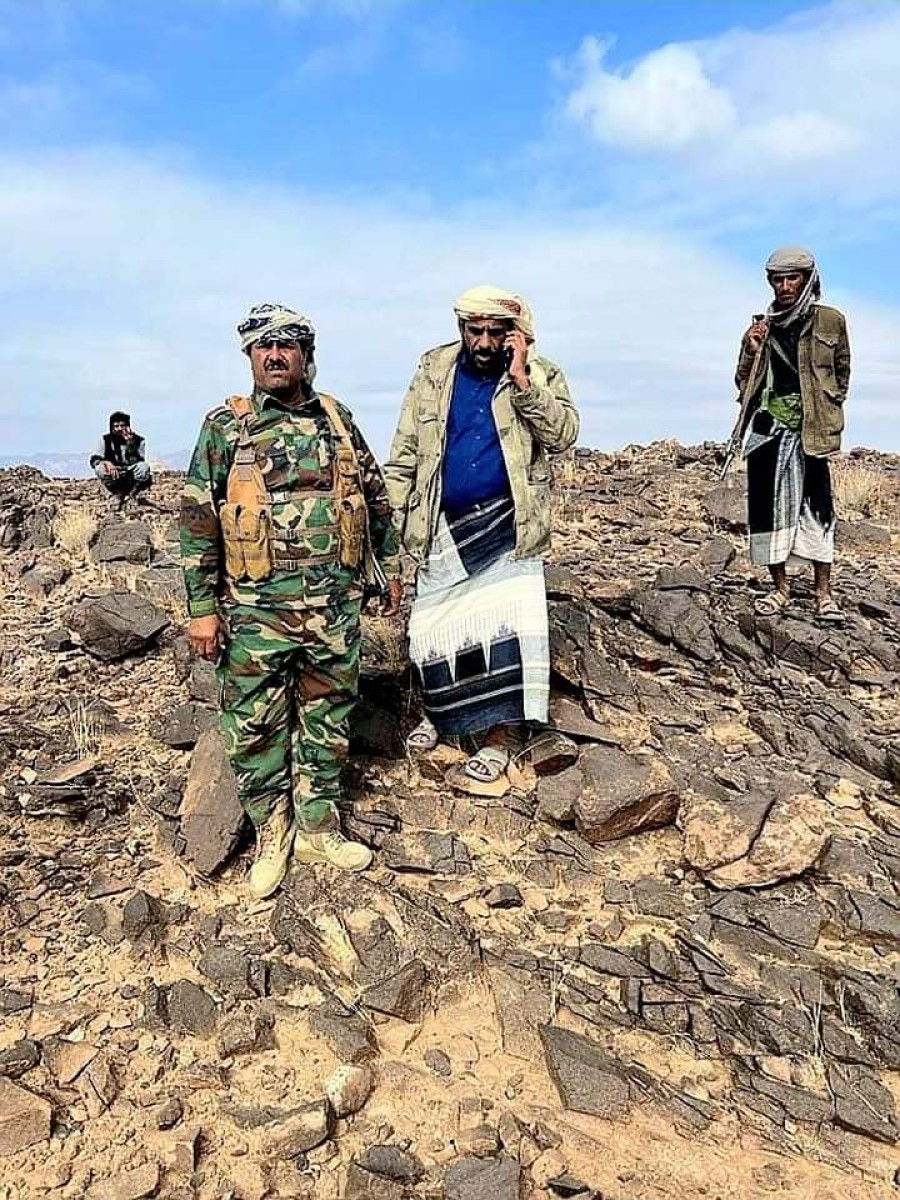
point(288, 683)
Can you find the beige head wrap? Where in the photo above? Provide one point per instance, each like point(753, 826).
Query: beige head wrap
point(273, 320)
point(486, 300)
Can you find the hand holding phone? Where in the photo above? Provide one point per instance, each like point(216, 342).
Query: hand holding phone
point(515, 357)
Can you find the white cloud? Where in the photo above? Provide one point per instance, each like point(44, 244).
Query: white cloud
point(818, 91)
point(667, 102)
point(124, 277)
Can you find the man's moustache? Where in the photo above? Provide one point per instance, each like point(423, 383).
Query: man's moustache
point(276, 364)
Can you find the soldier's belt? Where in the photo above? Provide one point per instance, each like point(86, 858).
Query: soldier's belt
point(292, 558)
point(289, 536)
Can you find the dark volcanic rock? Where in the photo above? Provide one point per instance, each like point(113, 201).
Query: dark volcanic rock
point(684, 578)
point(401, 994)
point(244, 1031)
point(557, 795)
point(204, 686)
point(622, 794)
point(184, 725)
point(423, 850)
point(392, 1163)
point(862, 1103)
point(675, 616)
point(345, 1031)
point(717, 555)
point(727, 506)
point(795, 1103)
point(190, 1008)
point(230, 969)
point(212, 819)
point(117, 624)
point(141, 914)
point(504, 895)
point(378, 950)
point(18, 1058)
point(363, 1185)
point(479, 1178)
point(123, 541)
point(47, 574)
point(588, 1080)
point(612, 962)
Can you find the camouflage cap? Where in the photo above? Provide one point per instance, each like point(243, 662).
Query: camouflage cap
point(275, 320)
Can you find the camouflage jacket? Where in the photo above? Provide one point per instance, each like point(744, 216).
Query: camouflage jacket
point(531, 425)
point(294, 449)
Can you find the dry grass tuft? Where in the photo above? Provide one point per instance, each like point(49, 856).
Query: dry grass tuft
point(859, 490)
point(86, 727)
point(163, 533)
point(173, 604)
point(566, 498)
point(75, 529)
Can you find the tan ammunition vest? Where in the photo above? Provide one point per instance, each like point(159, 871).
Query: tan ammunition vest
point(246, 520)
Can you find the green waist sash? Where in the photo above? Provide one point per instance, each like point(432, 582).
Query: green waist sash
point(786, 409)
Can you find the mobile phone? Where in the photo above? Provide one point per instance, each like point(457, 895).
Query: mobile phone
point(507, 357)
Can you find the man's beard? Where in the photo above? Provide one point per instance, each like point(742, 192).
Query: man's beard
point(491, 367)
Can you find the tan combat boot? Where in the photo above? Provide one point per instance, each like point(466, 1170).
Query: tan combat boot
point(273, 852)
point(332, 847)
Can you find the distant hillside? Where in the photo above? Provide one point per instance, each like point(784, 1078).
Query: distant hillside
point(74, 464)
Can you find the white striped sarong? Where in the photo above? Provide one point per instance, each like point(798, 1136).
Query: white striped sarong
point(478, 630)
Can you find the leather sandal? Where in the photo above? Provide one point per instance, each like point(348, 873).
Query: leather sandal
point(488, 764)
point(775, 604)
point(423, 738)
point(829, 613)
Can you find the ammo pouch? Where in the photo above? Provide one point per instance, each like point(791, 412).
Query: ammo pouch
point(352, 509)
point(247, 535)
point(352, 521)
point(245, 517)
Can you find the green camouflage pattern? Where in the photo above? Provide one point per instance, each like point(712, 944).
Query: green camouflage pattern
point(289, 668)
point(294, 449)
point(288, 684)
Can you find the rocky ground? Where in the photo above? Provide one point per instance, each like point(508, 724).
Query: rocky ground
point(663, 963)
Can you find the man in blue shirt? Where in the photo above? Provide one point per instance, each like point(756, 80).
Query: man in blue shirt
point(468, 479)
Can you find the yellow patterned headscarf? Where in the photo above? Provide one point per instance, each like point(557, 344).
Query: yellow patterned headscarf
point(486, 300)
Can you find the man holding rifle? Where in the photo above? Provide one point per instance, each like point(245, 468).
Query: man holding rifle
point(792, 375)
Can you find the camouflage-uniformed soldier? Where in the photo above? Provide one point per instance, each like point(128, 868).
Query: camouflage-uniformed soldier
point(285, 518)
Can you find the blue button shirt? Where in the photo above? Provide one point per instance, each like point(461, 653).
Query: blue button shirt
point(473, 471)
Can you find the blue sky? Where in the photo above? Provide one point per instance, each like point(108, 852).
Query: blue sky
point(626, 166)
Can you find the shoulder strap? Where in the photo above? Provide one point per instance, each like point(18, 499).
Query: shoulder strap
point(348, 467)
point(245, 481)
point(241, 406)
point(332, 412)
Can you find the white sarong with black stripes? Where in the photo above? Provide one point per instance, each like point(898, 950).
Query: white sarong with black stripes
point(790, 508)
point(478, 630)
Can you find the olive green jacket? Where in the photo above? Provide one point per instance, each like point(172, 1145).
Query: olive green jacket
point(824, 361)
point(531, 425)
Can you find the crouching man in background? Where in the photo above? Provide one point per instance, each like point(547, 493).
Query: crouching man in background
point(119, 461)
